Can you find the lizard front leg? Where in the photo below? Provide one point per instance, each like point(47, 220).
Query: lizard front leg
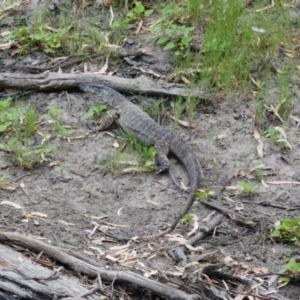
point(109, 118)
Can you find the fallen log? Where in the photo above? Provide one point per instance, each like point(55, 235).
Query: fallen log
point(23, 273)
point(49, 81)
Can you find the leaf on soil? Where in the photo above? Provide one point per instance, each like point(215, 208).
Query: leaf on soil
point(15, 205)
point(137, 169)
point(7, 45)
point(104, 69)
point(256, 133)
point(264, 184)
point(169, 46)
point(36, 213)
point(260, 150)
point(221, 136)
point(290, 53)
point(259, 30)
point(119, 211)
point(195, 226)
point(256, 82)
point(195, 249)
point(7, 186)
point(104, 2)
point(152, 272)
point(283, 137)
point(272, 109)
point(122, 247)
point(239, 207)
point(100, 251)
point(65, 223)
point(235, 188)
point(188, 265)
point(153, 203)
point(283, 182)
point(162, 39)
point(55, 163)
point(246, 172)
point(183, 123)
point(295, 119)
point(260, 146)
point(185, 80)
point(140, 25)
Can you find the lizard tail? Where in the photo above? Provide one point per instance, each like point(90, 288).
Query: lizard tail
point(194, 170)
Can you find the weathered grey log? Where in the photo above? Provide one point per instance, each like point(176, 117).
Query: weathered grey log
point(49, 81)
point(16, 271)
point(14, 267)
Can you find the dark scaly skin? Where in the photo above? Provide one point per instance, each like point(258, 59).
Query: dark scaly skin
point(145, 129)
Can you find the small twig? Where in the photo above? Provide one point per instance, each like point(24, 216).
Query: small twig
point(96, 288)
point(68, 99)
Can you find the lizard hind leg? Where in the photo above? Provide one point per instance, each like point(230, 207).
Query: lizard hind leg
point(109, 118)
point(162, 161)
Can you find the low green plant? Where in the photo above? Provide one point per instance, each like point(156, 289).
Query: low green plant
point(58, 115)
point(293, 266)
point(94, 111)
point(26, 158)
point(191, 108)
point(4, 178)
point(38, 37)
point(285, 105)
point(246, 188)
point(19, 125)
point(8, 115)
point(89, 188)
point(150, 158)
point(272, 134)
point(278, 136)
point(186, 218)
point(136, 14)
point(203, 195)
point(259, 173)
point(22, 154)
point(153, 108)
point(110, 163)
point(287, 231)
point(178, 108)
point(144, 153)
point(175, 33)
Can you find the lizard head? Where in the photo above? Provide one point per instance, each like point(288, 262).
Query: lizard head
point(104, 92)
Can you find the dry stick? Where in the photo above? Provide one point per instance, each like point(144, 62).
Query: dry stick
point(49, 81)
point(85, 268)
point(178, 252)
point(210, 226)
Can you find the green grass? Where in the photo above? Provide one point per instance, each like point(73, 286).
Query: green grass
point(19, 126)
point(239, 41)
point(144, 154)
